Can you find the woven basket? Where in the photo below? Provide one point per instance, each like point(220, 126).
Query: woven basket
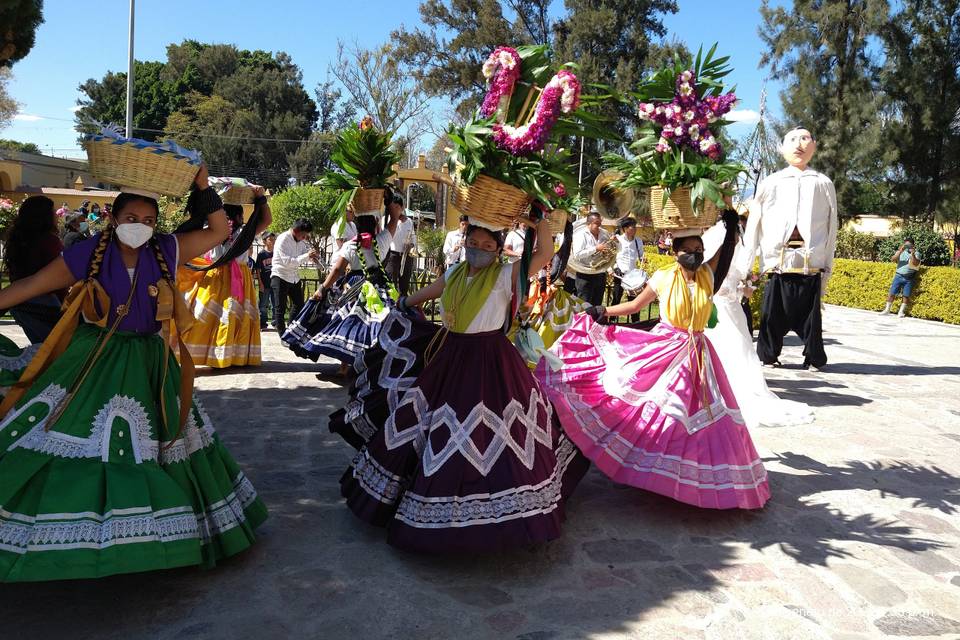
point(678, 213)
point(558, 221)
point(127, 165)
point(238, 195)
point(490, 202)
point(368, 201)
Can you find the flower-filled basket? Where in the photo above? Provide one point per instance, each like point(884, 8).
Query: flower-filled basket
point(678, 153)
point(508, 154)
point(233, 190)
point(365, 157)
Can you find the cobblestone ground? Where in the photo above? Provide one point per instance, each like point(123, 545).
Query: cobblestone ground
point(860, 539)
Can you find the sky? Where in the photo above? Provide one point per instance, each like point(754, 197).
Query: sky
point(80, 40)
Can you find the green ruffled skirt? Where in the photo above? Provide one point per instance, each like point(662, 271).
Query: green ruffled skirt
point(104, 491)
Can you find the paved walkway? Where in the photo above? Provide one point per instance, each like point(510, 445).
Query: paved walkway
point(860, 539)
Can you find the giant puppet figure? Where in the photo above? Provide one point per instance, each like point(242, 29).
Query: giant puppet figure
point(793, 222)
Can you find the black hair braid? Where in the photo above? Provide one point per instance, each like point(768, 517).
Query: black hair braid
point(164, 267)
point(93, 270)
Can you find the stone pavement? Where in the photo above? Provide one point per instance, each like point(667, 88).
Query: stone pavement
point(860, 539)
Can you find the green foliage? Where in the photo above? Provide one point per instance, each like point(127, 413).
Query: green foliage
point(864, 285)
point(679, 167)
point(8, 213)
point(8, 106)
point(855, 245)
point(931, 246)
point(20, 19)
point(311, 202)
point(365, 158)
point(430, 245)
point(23, 147)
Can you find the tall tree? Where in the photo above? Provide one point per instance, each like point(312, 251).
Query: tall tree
point(821, 50)
point(19, 20)
point(8, 106)
point(922, 78)
point(380, 85)
point(446, 56)
point(312, 157)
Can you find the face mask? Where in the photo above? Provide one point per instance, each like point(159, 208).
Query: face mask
point(478, 258)
point(83, 227)
point(691, 261)
point(134, 234)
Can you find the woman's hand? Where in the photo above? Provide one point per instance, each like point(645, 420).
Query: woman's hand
point(258, 190)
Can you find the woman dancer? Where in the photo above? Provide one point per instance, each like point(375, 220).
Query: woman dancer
point(734, 345)
point(470, 457)
point(358, 301)
point(655, 410)
point(106, 464)
point(220, 292)
point(32, 243)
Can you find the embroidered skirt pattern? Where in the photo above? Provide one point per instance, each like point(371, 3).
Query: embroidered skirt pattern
point(640, 406)
point(108, 489)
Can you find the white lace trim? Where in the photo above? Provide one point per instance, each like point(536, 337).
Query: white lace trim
point(20, 533)
point(443, 512)
point(134, 415)
point(459, 431)
point(21, 360)
point(223, 312)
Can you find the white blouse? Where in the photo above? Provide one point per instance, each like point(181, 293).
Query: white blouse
point(349, 251)
point(493, 314)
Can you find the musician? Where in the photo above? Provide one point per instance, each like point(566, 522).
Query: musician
point(398, 265)
point(629, 258)
point(453, 251)
point(793, 221)
point(587, 243)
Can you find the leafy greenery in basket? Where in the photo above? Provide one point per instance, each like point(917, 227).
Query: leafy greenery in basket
point(535, 172)
point(365, 157)
point(681, 111)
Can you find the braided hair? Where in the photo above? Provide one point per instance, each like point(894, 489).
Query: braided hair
point(96, 260)
point(164, 267)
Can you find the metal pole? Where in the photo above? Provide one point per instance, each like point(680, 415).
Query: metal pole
point(130, 76)
point(580, 174)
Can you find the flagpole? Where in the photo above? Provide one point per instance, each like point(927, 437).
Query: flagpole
point(130, 75)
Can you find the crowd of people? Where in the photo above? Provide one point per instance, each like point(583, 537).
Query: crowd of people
point(470, 433)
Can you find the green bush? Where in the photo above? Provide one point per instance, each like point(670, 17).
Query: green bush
point(933, 249)
point(430, 245)
point(864, 285)
point(310, 202)
point(854, 245)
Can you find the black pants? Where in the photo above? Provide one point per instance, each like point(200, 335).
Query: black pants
point(281, 291)
point(617, 293)
point(745, 305)
point(590, 287)
point(401, 279)
point(791, 302)
point(570, 285)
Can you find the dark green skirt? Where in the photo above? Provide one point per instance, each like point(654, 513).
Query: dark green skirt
point(104, 491)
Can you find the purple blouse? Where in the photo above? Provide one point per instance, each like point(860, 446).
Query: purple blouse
point(115, 280)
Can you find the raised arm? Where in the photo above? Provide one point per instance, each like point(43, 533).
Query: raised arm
point(52, 277)
point(541, 253)
point(196, 243)
point(267, 213)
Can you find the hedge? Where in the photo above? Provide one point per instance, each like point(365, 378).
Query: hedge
point(864, 285)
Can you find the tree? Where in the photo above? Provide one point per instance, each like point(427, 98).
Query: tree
point(446, 56)
point(23, 147)
point(922, 78)
point(8, 106)
point(20, 19)
point(820, 49)
point(312, 157)
point(310, 202)
point(381, 86)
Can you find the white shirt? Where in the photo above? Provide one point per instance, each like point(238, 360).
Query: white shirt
point(398, 240)
point(789, 199)
point(514, 242)
point(454, 238)
point(585, 245)
point(349, 251)
point(349, 231)
point(493, 313)
point(630, 253)
point(288, 255)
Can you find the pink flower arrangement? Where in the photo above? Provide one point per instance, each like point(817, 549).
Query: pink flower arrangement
point(502, 70)
point(560, 190)
point(685, 121)
point(561, 95)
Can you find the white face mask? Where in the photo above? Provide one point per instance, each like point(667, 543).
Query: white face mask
point(134, 234)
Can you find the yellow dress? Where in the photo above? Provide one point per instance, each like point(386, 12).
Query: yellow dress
point(551, 314)
point(227, 328)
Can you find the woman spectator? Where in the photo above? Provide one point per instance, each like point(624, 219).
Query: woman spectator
point(32, 243)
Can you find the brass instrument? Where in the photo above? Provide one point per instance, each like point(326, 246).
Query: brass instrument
point(611, 202)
